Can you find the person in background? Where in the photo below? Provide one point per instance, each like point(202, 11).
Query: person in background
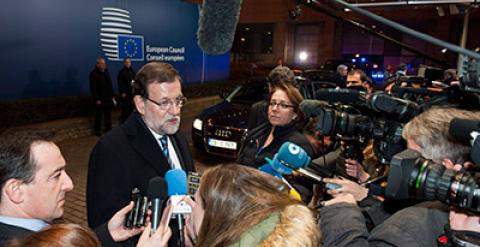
point(341, 76)
point(240, 206)
point(401, 71)
point(125, 80)
point(102, 94)
point(258, 111)
point(358, 80)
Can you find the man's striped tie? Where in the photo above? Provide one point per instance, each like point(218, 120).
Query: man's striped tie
point(164, 144)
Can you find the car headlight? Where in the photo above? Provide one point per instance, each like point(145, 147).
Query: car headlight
point(197, 124)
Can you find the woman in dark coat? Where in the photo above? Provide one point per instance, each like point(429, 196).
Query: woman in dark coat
point(264, 141)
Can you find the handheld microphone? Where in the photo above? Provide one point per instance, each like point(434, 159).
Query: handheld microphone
point(216, 25)
point(290, 156)
point(157, 192)
point(177, 190)
point(268, 168)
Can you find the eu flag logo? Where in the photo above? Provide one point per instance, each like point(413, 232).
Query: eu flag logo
point(130, 46)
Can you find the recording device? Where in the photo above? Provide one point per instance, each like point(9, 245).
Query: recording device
point(402, 110)
point(157, 192)
point(193, 182)
point(467, 131)
point(291, 157)
point(412, 176)
point(216, 25)
point(384, 124)
point(177, 189)
point(137, 217)
point(331, 121)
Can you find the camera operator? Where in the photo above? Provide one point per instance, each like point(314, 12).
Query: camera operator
point(342, 223)
point(358, 80)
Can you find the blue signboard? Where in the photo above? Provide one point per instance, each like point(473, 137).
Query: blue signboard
point(49, 47)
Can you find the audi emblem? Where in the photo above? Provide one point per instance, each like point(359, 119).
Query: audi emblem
point(223, 133)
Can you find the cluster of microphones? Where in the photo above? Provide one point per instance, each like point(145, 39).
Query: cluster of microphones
point(176, 187)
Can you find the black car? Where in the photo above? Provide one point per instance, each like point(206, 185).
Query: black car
point(219, 129)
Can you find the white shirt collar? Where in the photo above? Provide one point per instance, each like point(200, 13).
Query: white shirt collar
point(155, 135)
point(29, 224)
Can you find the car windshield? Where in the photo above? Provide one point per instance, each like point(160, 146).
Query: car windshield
point(247, 93)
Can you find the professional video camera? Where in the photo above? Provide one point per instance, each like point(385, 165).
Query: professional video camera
point(381, 117)
point(465, 94)
point(413, 176)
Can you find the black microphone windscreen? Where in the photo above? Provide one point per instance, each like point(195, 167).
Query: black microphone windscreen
point(157, 188)
point(216, 25)
point(461, 128)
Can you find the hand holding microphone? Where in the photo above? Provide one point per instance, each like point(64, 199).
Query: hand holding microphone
point(162, 233)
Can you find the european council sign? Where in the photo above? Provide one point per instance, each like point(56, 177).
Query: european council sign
point(130, 46)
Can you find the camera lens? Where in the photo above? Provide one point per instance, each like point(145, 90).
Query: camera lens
point(432, 181)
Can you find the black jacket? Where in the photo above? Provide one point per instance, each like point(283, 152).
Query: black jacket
point(343, 224)
point(125, 158)
point(101, 86)
point(249, 154)
point(256, 138)
point(9, 232)
point(340, 81)
point(124, 80)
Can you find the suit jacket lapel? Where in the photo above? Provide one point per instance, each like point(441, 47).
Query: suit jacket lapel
point(145, 144)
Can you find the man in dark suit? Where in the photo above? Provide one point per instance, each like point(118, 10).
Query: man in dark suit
point(145, 146)
point(33, 188)
point(124, 80)
point(102, 93)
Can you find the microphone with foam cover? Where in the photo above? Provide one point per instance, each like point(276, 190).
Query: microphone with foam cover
point(177, 190)
point(290, 157)
point(216, 25)
point(157, 192)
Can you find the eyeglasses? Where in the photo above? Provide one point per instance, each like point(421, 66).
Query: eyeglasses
point(167, 103)
point(281, 105)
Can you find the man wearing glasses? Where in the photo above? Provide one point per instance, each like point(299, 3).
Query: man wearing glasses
point(146, 145)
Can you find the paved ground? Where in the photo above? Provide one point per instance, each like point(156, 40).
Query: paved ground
point(77, 152)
